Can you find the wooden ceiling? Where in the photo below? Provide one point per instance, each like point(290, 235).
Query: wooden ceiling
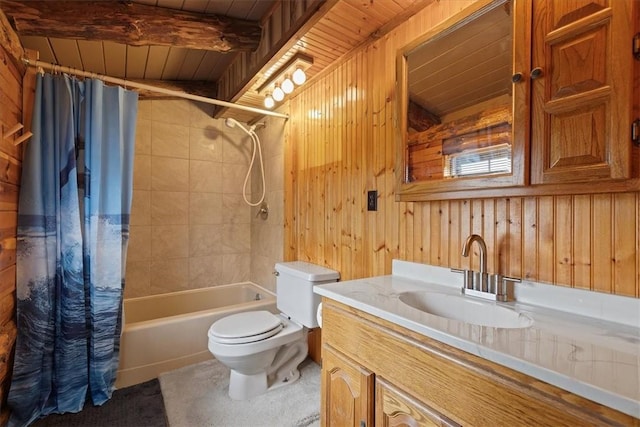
point(147, 62)
point(343, 26)
point(331, 28)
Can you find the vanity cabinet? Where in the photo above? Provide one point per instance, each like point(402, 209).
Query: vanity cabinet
point(373, 369)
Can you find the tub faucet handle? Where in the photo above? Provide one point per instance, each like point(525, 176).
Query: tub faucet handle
point(263, 211)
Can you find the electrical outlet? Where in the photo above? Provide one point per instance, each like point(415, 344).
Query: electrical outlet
point(372, 200)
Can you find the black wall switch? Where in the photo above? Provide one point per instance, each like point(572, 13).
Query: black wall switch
point(372, 200)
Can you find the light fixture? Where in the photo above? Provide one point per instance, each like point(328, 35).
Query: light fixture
point(284, 80)
point(287, 85)
point(278, 94)
point(299, 76)
point(269, 102)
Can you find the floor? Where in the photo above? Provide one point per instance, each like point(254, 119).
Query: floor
point(140, 405)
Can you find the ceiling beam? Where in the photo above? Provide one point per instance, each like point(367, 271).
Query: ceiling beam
point(132, 24)
point(9, 40)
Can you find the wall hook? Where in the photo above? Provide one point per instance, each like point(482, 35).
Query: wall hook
point(22, 138)
point(11, 132)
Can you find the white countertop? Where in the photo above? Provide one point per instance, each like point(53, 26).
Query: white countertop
point(590, 348)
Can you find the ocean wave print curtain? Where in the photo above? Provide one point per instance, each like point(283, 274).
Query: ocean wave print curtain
point(73, 225)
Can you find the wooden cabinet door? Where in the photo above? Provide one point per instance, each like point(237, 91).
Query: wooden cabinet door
point(347, 391)
point(395, 408)
point(582, 100)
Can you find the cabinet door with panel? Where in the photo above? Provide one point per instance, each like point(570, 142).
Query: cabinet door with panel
point(347, 391)
point(463, 123)
point(395, 408)
point(418, 380)
point(582, 90)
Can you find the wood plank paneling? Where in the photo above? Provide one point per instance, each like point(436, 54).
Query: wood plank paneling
point(92, 56)
point(588, 242)
point(116, 66)
point(10, 165)
point(581, 242)
point(625, 238)
point(8, 228)
point(563, 256)
point(602, 236)
point(530, 238)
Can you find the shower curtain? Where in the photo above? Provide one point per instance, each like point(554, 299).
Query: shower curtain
point(73, 226)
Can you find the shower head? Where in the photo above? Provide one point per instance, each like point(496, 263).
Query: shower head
point(231, 122)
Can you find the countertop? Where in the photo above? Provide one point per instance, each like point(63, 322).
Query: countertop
point(584, 342)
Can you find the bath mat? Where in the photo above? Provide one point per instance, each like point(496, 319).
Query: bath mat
point(196, 395)
point(136, 406)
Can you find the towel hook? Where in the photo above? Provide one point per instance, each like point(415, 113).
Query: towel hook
point(11, 132)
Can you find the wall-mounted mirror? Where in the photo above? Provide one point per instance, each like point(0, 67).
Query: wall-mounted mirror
point(456, 103)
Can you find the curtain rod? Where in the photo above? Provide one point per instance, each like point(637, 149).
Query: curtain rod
point(129, 83)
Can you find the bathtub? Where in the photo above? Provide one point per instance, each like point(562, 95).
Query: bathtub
point(167, 331)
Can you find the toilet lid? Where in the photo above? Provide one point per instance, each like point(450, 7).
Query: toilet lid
point(245, 327)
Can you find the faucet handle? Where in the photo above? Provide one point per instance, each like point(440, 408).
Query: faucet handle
point(502, 291)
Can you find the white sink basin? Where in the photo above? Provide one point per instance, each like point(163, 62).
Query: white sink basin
point(465, 309)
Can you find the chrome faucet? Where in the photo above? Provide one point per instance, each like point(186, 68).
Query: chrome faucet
point(482, 284)
point(475, 281)
point(483, 250)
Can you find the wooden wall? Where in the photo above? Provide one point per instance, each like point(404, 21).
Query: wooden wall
point(341, 145)
point(10, 169)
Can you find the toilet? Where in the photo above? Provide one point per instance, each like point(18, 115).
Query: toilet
point(262, 349)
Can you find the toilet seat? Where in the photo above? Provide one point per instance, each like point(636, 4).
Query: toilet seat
point(247, 327)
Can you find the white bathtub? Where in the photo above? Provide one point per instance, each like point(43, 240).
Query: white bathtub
point(168, 331)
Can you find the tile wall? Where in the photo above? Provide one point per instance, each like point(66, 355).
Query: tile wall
point(189, 225)
point(267, 234)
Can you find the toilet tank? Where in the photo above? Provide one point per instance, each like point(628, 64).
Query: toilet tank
point(294, 289)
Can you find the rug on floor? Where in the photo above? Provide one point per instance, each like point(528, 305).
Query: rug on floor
point(140, 405)
point(197, 395)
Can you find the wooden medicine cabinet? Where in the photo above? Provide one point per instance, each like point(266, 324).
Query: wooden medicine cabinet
point(520, 97)
point(456, 105)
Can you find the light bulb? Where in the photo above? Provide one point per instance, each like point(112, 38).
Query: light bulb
point(287, 85)
point(269, 102)
point(278, 94)
point(299, 76)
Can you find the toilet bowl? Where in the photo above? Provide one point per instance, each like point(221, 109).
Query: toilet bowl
point(262, 349)
point(263, 354)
